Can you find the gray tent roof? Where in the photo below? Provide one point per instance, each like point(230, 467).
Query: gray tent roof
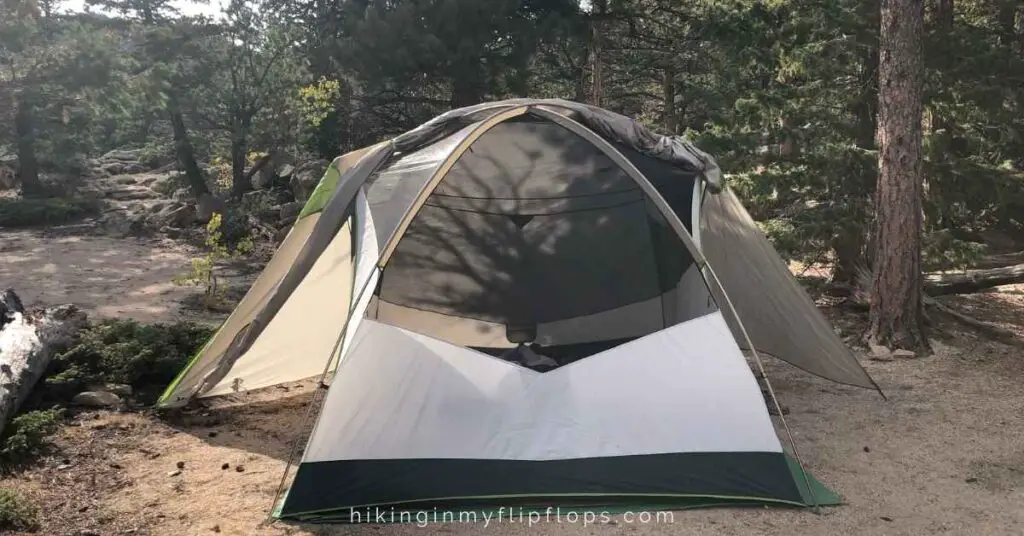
point(610, 125)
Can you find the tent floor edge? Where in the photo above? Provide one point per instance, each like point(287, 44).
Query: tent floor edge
point(334, 491)
point(529, 510)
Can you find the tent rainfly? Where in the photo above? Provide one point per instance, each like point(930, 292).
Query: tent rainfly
point(527, 303)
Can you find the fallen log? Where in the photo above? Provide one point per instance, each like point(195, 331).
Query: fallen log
point(28, 342)
point(972, 280)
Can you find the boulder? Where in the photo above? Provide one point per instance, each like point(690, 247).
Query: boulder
point(285, 171)
point(165, 184)
point(123, 155)
point(182, 195)
point(175, 215)
point(290, 211)
point(305, 178)
point(119, 389)
point(206, 206)
point(135, 167)
point(96, 399)
point(28, 342)
point(880, 353)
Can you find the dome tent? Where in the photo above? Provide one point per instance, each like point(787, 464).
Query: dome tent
point(427, 273)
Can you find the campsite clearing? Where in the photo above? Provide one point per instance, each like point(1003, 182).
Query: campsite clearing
point(945, 454)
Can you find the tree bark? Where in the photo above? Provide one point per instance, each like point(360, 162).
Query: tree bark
point(28, 163)
point(896, 317)
point(183, 148)
point(600, 9)
point(668, 90)
point(240, 181)
point(27, 345)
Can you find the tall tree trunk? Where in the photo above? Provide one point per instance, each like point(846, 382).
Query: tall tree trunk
point(240, 181)
point(600, 9)
point(580, 93)
point(468, 85)
point(183, 147)
point(668, 92)
point(28, 164)
point(896, 318)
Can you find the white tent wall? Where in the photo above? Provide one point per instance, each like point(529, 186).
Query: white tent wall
point(403, 395)
point(246, 310)
point(299, 341)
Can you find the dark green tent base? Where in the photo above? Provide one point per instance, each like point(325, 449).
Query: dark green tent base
point(538, 508)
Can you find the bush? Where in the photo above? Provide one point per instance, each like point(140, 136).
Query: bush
point(16, 513)
point(26, 435)
point(28, 212)
point(145, 356)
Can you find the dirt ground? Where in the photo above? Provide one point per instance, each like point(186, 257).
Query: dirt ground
point(106, 276)
point(944, 453)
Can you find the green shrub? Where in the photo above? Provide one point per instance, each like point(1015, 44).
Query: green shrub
point(26, 435)
point(28, 212)
point(145, 356)
point(16, 513)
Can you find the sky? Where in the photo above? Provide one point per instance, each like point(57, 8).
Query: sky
point(211, 8)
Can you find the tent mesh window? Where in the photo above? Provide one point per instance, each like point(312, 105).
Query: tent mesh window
point(537, 248)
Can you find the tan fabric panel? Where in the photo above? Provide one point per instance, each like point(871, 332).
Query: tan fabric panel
point(690, 297)
point(298, 342)
point(247, 309)
point(779, 316)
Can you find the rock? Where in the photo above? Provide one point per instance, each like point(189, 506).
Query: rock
point(131, 194)
point(134, 167)
point(122, 155)
point(87, 532)
point(96, 399)
point(176, 216)
point(115, 168)
point(206, 206)
point(28, 343)
point(180, 465)
point(164, 184)
point(182, 195)
point(118, 389)
point(867, 449)
point(174, 473)
point(159, 206)
point(225, 467)
point(123, 179)
point(285, 171)
point(880, 353)
point(305, 178)
point(903, 354)
point(290, 211)
point(239, 468)
point(173, 232)
point(216, 528)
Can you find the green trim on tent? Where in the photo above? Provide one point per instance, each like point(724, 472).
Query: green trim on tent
point(480, 507)
point(191, 363)
point(323, 191)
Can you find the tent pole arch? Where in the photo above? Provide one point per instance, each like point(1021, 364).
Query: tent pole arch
point(627, 166)
point(440, 174)
point(337, 211)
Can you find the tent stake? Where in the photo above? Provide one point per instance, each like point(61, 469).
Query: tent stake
point(771, 391)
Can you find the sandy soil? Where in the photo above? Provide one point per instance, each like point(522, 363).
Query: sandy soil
point(104, 275)
point(944, 454)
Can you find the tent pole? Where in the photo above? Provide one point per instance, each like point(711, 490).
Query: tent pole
point(336, 351)
point(771, 391)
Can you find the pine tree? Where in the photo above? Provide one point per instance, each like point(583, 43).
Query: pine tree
point(896, 318)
